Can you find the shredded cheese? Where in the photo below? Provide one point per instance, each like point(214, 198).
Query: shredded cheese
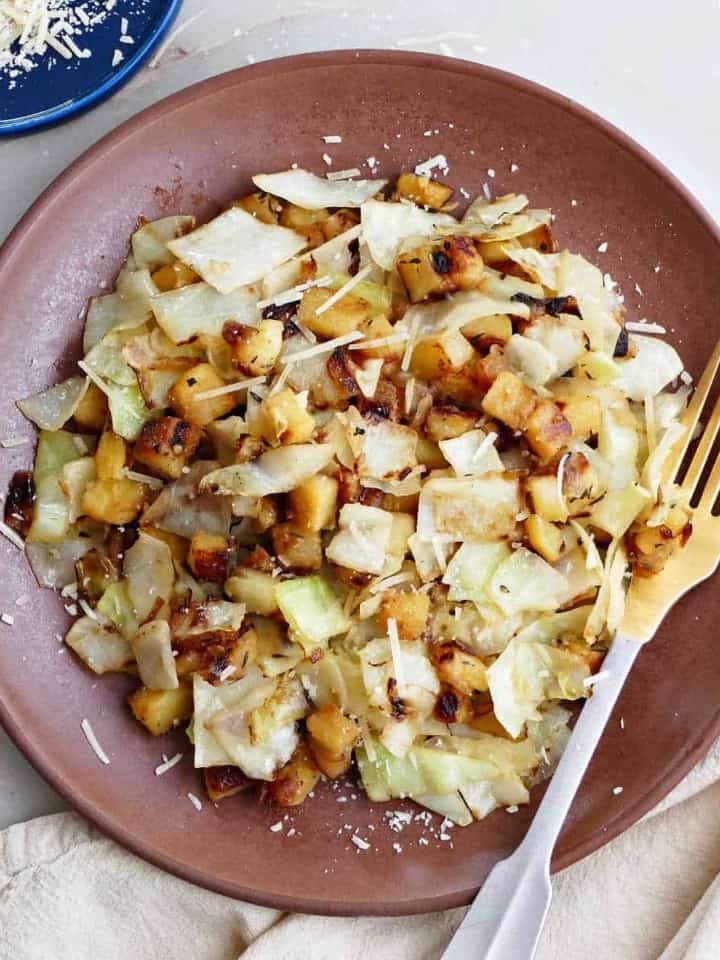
point(154, 482)
point(346, 288)
point(93, 741)
point(367, 739)
point(487, 442)
point(409, 395)
point(650, 422)
point(409, 347)
point(194, 801)
point(643, 326)
point(405, 576)
point(229, 388)
point(426, 168)
point(395, 651)
point(14, 442)
point(293, 294)
point(560, 479)
point(279, 381)
point(327, 347)
point(400, 337)
point(13, 537)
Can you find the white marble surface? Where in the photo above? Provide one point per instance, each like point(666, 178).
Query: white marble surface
point(651, 68)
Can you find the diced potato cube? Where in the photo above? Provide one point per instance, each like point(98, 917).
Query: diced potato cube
point(161, 710)
point(225, 781)
point(584, 415)
point(197, 380)
point(486, 331)
point(422, 190)
point(546, 498)
point(209, 557)
point(286, 419)
point(593, 657)
point(545, 538)
point(296, 779)
point(268, 514)
point(309, 223)
point(495, 251)
point(443, 266)
point(110, 456)
point(429, 454)
point(165, 446)
point(178, 545)
point(114, 501)
point(301, 552)
point(263, 206)
point(581, 486)
point(338, 222)
point(342, 317)
point(254, 349)
point(312, 506)
point(375, 328)
point(173, 276)
point(92, 411)
point(409, 610)
point(459, 668)
point(548, 432)
point(509, 400)
point(255, 589)
point(488, 368)
point(435, 356)
point(331, 738)
point(445, 423)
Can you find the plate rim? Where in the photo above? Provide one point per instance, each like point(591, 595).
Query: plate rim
point(117, 79)
point(655, 790)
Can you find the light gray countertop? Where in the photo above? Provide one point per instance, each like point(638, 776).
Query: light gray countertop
point(651, 68)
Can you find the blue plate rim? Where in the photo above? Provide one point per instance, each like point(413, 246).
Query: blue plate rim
point(103, 90)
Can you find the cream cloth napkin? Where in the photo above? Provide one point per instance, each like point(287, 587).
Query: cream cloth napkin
point(68, 893)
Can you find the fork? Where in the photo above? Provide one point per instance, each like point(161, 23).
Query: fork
point(506, 918)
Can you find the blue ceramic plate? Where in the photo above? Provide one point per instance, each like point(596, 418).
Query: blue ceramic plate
point(58, 88)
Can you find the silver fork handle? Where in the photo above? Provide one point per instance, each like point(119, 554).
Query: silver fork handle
point(506, 918)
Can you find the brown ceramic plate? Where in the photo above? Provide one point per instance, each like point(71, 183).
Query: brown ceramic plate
point(192, 152)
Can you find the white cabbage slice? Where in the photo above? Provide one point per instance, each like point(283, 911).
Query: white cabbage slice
point(540, 267)
point(480, 508)
point(235, 249)
point(652, 367)
point(200, 310)
point(471, 569)
point(150, 575)
point(52, 408)
point(311, 192)
point(472, 453)
point(363, 538)
point(99, 645)
point(209, 700)
point(125, 309)
point(386, 225)
point(277, 471)
point(578, 278)
point(181, 509)
point(489, 212)
point(312, 610)
point(526, 582)
point(154, 656)
point(149, 242)
point(54, 563)
point(509, 227)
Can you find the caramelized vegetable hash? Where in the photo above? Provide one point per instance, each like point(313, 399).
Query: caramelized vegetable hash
point(345, 477)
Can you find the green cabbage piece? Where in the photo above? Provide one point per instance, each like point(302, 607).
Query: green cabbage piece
point(312, 610)
point(51, 510)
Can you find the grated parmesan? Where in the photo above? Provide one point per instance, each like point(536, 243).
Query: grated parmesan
point(395, 651)
point(229, 388)
point(643, 326)
point(400, 337)
point(426, 168)
point(359, 842)
point(596, 678)
point(7, 618)
point(93, 741)
point(10, 535)
point(332, 138)
point(167, 764)
point(327, 347)
point(143, 478)
point(343, 174)
point(195, 801)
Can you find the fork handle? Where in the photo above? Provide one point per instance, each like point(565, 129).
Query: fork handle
point(506, 918)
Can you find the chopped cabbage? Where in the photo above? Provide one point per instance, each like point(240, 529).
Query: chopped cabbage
point(115, 605)
point(524, 581)
point(276, 471)
point(363, 538)
point(199, 309)
point(99, 645)
point(471, 453)
point(152, 648)
point(150, 574)
point(149, 242)
point(51, 508)
point(470, 570)
point(651, 367)
point(312, 610)
point(211, 700)
point(489, 212)
point(125, 309)
point(181, 509)
point(52, 408)
point(310, 192)
point(386, 225)
point(236, 249)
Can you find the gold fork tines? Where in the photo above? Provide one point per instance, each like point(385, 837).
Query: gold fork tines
point(649, 599)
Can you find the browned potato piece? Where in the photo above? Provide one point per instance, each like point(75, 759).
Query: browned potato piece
point(332, 737)
point(309, 223)
point(165, 446)
point(422, 190)
point(486, 331)
point(409, 610)
point(548, 432)
point(197, 380)
point(342, 317)
point(338, 222)
point(452, 706)
point(161, 710)
point(263, 206)
point(650, 548)
point(443, 266)
point(375, 328)
point(488, 368)
point(209, 557)
point(429, 454)
point(110, 456)
point(225, 781)
point(435, 356)
point(114, 501)
point(459, 668)
point(545, 538)
point(494, 251)
point(255, 589)
point(173, 276)
point(296, 779)
point(312, 506)
point(178, 545)
point(286, 419)
point(446, 422)
point(584, 415)
point(254, 349)
point(546, 499)
point(484, 719)
point(92, 410)
point(301, 552)
point(268, 514)
point(510, 401)
point(210, 653)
